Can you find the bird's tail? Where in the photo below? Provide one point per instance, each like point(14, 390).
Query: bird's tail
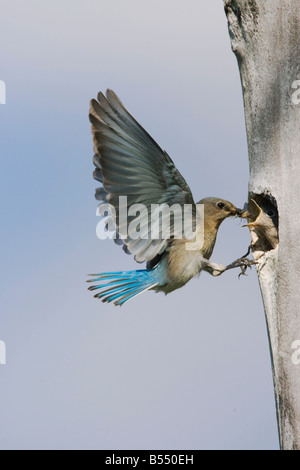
point(123, 285)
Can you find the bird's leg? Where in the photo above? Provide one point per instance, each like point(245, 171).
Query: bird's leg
point(242, 262)
point(213, 268)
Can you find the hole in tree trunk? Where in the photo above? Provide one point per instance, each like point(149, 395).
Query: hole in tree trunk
point(263, 221)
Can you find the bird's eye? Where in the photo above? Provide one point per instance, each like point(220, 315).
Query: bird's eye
point(221, 205)
point(270, 213)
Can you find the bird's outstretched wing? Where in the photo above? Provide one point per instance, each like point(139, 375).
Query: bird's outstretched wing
point(130, 163)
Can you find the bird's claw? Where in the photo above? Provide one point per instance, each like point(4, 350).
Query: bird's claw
point(244, 263)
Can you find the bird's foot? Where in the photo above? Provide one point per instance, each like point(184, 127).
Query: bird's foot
point(244, 263)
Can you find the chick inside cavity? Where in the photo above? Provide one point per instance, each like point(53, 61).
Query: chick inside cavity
point(263, 224)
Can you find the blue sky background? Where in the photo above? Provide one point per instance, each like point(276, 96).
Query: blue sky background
point(186, 371)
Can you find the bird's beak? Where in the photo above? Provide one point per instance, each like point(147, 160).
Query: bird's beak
point(253, 224)
point(242, 213)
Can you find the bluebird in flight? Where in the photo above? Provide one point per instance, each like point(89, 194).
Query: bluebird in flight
point(130, 163)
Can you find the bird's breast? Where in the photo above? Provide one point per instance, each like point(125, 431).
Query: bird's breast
point(186, 257)
point(183, 262)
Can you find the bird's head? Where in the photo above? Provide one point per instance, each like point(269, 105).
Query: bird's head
point(217, 210)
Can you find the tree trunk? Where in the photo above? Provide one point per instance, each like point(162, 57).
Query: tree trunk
point(265, 36)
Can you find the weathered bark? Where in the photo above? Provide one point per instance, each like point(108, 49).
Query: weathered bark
point(265, 36)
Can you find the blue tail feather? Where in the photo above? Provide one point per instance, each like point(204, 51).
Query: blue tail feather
point(123, 285)
point(113, 289)
point(109, 284)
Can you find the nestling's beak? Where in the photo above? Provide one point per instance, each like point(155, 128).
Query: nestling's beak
point(257, 220)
